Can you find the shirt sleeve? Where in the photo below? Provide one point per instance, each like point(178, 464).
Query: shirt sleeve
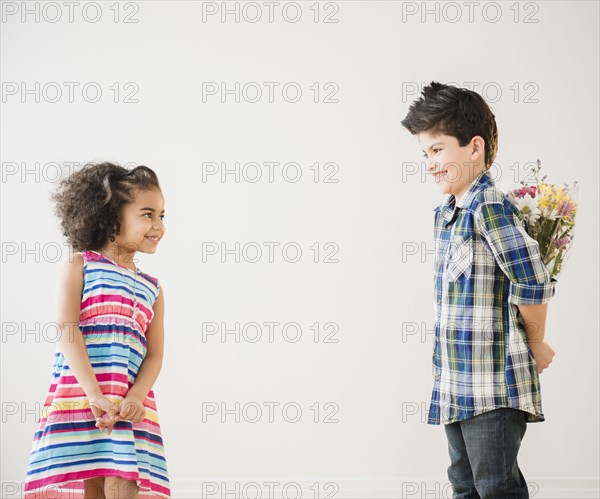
point(517, 254)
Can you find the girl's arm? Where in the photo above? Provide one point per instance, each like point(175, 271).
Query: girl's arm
point(68, 293)
point(152, 362)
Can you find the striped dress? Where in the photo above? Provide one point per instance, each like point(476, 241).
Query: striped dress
point(67, 445)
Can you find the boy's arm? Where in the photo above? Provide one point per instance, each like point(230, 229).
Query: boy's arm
point(517, 254)
point(534, 315)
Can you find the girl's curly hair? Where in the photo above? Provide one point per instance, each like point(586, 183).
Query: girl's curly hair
point(88, 201)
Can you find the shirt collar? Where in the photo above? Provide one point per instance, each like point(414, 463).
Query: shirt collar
point(449, 206)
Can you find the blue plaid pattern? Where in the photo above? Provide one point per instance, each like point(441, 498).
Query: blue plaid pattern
point(485, 265)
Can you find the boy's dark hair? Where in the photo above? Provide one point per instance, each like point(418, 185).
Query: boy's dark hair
point(454, 111)
point(88, 201)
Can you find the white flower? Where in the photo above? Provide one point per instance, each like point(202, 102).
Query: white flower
point(549, 214)
point(528, 206)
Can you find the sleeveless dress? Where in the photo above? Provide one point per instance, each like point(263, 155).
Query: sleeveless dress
point(67, 445)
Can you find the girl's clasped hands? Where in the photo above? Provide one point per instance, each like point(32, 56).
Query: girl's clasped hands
point(107, 413)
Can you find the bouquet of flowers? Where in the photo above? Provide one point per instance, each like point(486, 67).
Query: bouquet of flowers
point(548, 212)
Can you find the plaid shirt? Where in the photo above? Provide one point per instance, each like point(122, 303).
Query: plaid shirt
point(485, 265)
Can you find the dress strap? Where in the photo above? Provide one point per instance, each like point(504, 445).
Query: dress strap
point(89, 255)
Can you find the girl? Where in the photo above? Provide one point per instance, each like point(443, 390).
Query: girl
point(99, 436)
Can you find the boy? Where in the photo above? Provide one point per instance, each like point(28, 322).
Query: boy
point(491, 294)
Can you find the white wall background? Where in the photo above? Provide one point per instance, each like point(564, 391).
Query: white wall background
point(547, 75)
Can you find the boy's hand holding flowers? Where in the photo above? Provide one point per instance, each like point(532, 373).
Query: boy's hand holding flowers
point(548, 211)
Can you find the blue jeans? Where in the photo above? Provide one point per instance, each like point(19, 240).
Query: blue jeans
point(483, 455)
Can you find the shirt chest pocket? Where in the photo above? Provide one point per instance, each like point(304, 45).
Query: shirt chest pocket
point(458, 260)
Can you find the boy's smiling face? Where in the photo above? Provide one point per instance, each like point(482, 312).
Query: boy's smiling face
point(453, 167)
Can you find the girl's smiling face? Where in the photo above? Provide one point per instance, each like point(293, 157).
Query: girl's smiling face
point(142, 225)
point(453, 167)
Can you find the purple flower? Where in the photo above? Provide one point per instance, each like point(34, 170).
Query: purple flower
point(561, 243)
point(566, 208)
